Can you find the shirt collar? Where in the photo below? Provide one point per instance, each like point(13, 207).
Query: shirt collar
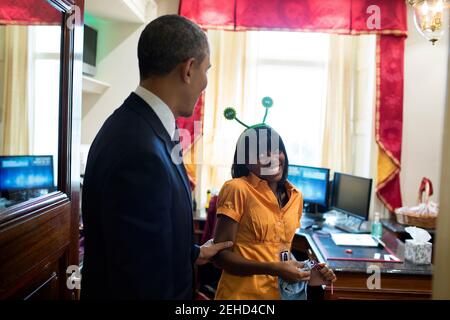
point(254, 180)
point(161, 109)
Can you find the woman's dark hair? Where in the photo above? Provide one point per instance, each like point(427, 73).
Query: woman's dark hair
point(256, 136)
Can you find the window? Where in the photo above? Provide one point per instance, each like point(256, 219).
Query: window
point(291, 67)
point(29, 112)
point(313, 79)
point(45, 46)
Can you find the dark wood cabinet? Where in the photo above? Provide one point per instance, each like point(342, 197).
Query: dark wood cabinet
point(39, 238)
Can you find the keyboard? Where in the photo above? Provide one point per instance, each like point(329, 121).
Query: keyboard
point(351, 229)
point(306, 224)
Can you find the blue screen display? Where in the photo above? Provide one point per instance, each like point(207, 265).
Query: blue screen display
point(26, 172)
point(312, 182)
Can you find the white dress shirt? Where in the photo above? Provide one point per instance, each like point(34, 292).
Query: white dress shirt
point(161, 109)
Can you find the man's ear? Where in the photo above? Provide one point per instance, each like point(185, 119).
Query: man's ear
point(186, 70)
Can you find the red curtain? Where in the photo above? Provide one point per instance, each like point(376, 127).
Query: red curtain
point(387, 18)
point(343, 16)
point(389, 118)
point(210, 14)
point(188, 124)
point(188, 141)
point(393, 16)
point(391, 64)
point(293, 15)
point(28, 12)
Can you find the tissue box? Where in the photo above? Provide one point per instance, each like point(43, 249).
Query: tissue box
point(418, 253)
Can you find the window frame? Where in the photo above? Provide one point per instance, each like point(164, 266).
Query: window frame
point(69, 124)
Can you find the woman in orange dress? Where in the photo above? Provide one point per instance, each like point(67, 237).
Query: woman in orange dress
point(259, 210)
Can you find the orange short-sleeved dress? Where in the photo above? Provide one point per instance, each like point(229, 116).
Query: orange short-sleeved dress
point(264, 231)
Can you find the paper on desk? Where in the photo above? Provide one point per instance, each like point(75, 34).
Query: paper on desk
point(419, 235)
point(348, 239)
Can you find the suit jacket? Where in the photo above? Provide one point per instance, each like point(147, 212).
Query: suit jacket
point(136, 211)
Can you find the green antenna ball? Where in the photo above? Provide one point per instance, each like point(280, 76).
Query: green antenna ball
point(230, 113)
point(267, 102)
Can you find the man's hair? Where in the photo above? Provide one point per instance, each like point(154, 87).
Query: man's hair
point(168, 41)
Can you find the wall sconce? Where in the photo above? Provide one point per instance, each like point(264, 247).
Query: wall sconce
point(430, 18)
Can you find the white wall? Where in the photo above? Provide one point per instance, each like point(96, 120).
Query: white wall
point(117, 65)
point(423, 112)
point(167, 6)
point(441, 276)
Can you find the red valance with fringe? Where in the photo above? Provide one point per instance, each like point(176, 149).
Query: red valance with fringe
point(343, 16)
point(28, 12)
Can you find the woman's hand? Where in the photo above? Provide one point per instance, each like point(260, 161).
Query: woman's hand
point(289, 271)
point(322, 276)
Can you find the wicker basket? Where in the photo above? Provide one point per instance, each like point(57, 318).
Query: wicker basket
point(427, 220)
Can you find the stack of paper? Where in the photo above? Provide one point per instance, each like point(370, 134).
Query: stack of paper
point(349, 239)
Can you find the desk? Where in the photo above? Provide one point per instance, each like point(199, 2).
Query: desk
point(398, 280)
point(399, 230)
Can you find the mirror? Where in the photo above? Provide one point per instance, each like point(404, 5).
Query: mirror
point(30, 67)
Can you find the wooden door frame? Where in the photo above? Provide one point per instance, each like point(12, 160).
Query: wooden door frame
point(441, 277)
point(68, 193)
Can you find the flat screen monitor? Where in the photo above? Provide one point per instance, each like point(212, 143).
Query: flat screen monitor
point(351, 195)
point(26, 173)
point(90, 51)
point(312, 182)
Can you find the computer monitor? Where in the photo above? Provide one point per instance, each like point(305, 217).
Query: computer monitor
point(313, 183)
point(90, 51)
point(22, 173)
point(351, 195)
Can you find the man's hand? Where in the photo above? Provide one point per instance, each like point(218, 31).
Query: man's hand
point(209, 249)
point(322, 276)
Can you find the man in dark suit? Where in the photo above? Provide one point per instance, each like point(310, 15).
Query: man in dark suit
point(137, 211)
